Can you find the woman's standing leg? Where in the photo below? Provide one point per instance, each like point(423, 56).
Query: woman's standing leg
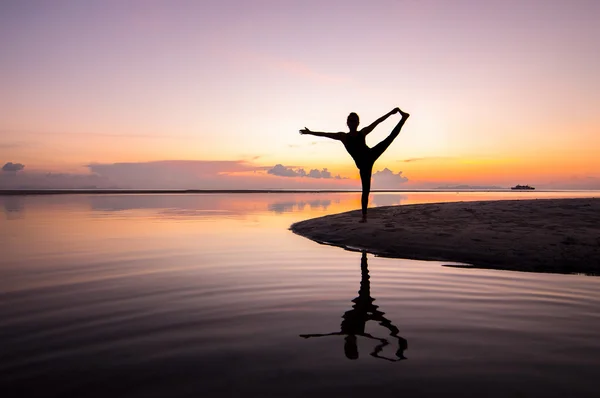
point(365, 179)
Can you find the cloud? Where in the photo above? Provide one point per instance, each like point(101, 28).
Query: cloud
point(283, 171)
point(300, 69)
point(296, 68)
point(40, 180)
point(178, 174)
point(314, 173)
point(13, 167)
point(410, 160)
point(84, 134)
point(12, 145)
point(313, 143)
point(386, 178)
point(467, 186)
point(208, 174)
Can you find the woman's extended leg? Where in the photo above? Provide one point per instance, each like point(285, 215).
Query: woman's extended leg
point(378, 149)
point(365, 179)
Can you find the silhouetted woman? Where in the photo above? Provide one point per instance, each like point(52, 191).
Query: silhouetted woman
point(363, 156)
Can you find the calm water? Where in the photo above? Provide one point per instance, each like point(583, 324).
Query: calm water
point(208, 295)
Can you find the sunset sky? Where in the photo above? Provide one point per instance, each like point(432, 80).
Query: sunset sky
point(211, 94)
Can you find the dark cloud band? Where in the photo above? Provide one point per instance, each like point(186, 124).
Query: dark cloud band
point(13, 167)
point(283, 171)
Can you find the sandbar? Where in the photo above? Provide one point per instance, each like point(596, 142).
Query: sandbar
point(539, 235)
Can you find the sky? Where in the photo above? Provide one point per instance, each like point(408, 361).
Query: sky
point(211, 94)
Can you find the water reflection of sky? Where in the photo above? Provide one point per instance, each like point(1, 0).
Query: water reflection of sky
point(213, 292)
point(388, 199)
point(60, 224)
point(13, 206)
point(285, 207)
point(229, 205)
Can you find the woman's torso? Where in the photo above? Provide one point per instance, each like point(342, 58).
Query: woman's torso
point(357, 147)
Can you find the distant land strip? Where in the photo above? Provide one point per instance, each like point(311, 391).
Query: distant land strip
point(203, 191)
point(149, 191)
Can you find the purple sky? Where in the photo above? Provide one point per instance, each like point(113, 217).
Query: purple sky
point(507, 86)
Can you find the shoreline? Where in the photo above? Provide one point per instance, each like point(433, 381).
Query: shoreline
point(94, 191)
point(533, 235)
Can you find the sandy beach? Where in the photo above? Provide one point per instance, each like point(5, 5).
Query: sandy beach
point(542, 235)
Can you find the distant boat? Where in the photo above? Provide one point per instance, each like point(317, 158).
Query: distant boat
point(522, 188)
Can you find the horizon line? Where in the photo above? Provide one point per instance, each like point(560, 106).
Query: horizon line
point(25, 192)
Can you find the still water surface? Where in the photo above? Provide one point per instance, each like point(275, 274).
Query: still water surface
point(212, 295)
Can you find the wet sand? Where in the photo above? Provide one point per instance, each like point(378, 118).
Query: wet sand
point(541, 235)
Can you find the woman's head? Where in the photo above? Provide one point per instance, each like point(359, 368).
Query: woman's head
point(352, 121)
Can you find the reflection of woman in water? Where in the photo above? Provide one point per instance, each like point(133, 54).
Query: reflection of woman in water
point(355, 320)
point(363, 156)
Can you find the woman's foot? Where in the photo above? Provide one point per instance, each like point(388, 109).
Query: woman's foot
point(364, 219)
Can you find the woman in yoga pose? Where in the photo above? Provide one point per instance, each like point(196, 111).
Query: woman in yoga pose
point(363, 156)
